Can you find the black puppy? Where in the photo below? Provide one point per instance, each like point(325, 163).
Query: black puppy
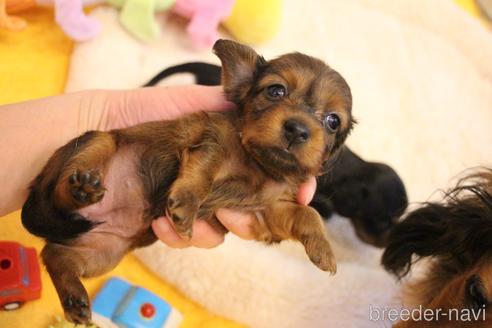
point(371, 195)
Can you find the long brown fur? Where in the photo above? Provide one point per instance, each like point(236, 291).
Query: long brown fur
point(96, 197)
point(456, 236)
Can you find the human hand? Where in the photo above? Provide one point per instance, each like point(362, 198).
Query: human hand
point(131, 107)
point(39, 127)
point(69, 115)
point(239, 223)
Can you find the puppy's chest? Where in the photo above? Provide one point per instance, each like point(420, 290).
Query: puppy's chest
point(253, 187)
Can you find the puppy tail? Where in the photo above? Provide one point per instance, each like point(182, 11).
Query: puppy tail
point(459, 230)
point(204, 73)
point(44, 221)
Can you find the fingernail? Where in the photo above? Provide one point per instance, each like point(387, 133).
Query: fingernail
point(309, 196)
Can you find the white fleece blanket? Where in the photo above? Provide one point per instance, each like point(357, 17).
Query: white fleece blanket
point(421, 78)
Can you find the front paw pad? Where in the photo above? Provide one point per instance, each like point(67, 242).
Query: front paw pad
point(86, 186)
point(182, 207)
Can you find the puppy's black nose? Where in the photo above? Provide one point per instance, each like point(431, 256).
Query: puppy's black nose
point(295, 132)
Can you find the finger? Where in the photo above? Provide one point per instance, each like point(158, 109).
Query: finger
point(306, 191)
point(165, 232)
point(169, 103)
point(193, 98)
point(238, 223)
point(204, 236)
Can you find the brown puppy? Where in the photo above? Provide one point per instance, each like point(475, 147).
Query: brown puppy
point(457, 236)
point(96, 197)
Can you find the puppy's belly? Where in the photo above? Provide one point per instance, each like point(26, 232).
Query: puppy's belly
point(121, 211)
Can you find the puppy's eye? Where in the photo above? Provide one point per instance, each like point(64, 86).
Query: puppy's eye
point(332, 122)
point(276, 91)
point(475, 293)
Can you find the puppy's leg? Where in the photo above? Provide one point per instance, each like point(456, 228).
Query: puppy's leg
point(287, 220)
point(65, 266)
point(198, 168)
point(71, 179)
point(236, 192)
point(88, 256)
point(80, 182)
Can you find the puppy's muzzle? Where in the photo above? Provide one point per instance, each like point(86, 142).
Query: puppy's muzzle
point(295, 132)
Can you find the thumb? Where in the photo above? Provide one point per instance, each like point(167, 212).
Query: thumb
point(306, 191)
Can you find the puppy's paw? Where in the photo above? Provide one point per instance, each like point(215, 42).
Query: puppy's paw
point(320, 253)
point(77, 309)
point(182, 208)
point(86, 187)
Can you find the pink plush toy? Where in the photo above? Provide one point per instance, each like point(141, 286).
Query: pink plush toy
point(69, 14)
point(205, 17)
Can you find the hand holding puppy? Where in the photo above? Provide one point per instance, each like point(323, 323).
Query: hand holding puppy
point(60, 118)
point(99, 195)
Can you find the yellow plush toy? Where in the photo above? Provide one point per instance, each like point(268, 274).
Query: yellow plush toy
point(254, 21)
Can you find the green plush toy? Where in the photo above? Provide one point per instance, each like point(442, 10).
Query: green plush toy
point(62, 323)
point(138, 16)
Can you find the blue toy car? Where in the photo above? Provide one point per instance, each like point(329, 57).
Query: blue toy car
point(120, 304)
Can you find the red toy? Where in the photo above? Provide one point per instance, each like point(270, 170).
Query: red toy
point(20, 280)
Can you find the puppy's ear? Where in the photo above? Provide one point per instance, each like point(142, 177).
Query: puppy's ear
point(240, 64)
point(422, 233)
point(459, 233)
